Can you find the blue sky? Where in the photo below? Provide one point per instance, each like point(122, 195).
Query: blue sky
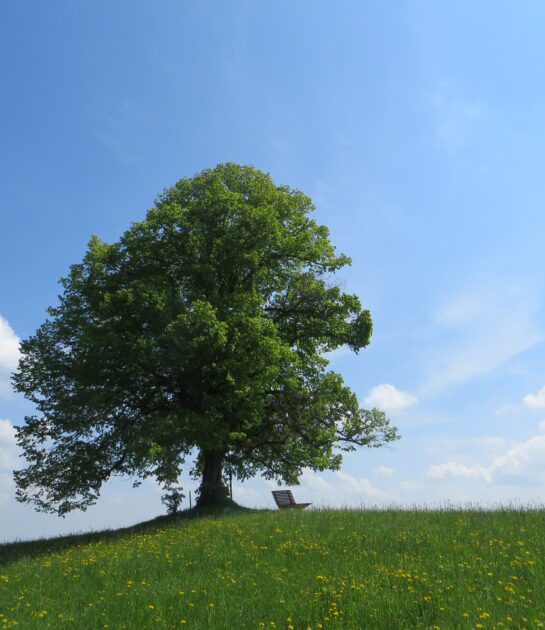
point(417, 132)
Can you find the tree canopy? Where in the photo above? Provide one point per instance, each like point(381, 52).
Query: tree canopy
point(197, 339)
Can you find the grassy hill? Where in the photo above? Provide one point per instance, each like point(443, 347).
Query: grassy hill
point(286, 570)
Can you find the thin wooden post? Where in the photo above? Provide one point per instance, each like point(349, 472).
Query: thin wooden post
point(231, 484)
point(190, 499)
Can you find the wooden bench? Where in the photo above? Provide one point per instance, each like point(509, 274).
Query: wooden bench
point(284, 499)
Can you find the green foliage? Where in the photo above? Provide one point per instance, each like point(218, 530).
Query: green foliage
point(172, 498)
point(344, 570)
point(204, 327)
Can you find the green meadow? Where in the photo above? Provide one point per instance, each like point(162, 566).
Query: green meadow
point(289, 570)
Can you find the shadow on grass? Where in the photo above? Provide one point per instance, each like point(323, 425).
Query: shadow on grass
point(11, 552)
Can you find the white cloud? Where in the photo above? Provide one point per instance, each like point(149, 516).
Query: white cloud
point(6, 488)
point(9, 450)
point(384, 471)
point(491, 444)
point(245, 495)
point(8, 459)
point(331, 489)
point(518, 458)
point(389, 398)
point(480, 330)
point(409, 486)
point(453, 469)
point(520, 455)
point(360, 486)
point(315, 482)
point(535, 401)
point(9, 355)
point(7, 433)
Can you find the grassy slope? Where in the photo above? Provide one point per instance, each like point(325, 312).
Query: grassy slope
point(330, 569)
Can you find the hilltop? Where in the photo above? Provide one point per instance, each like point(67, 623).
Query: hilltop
point(291, 570)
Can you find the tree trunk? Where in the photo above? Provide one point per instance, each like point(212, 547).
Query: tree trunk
point(212, 490)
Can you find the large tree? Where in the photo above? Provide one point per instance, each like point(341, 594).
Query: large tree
point(201, 332)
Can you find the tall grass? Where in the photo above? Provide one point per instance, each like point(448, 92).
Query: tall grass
point(317, 569)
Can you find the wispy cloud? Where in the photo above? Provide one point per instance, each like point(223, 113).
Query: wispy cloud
point(9, 355)
point(453, 469)
point(388, 398)
point(338, 353)
point(479, 330)
point(115, 146)
point(384, 471)
point(456, 118)
point(120, 131)
point(324, 194)
point(508, 409)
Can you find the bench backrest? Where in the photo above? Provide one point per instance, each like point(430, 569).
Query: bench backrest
point(283, 498)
